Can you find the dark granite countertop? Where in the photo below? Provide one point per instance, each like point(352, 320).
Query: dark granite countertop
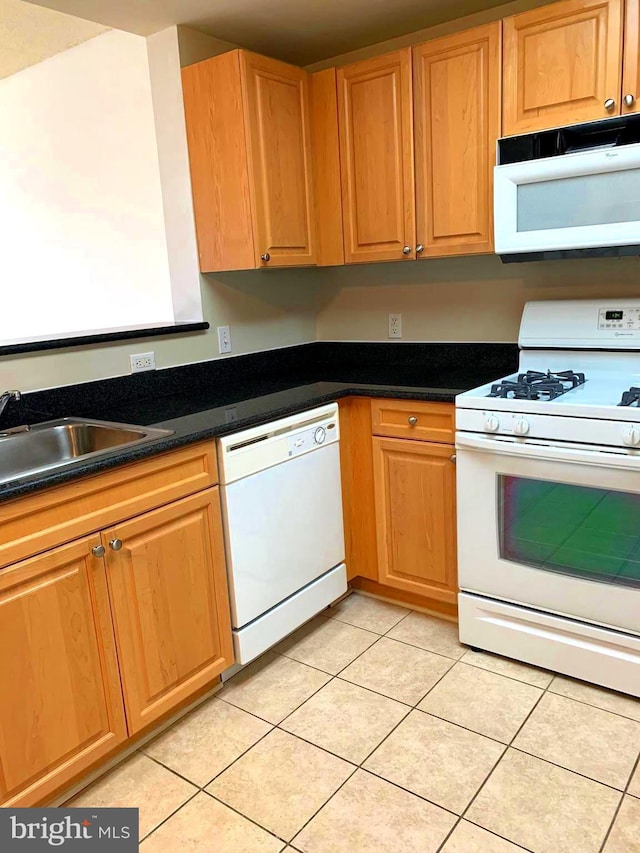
point(210, 399)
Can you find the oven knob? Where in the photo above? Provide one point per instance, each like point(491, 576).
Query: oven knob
point(631, 436)
point(521, 426)
point(319, 435)
point(491, 424)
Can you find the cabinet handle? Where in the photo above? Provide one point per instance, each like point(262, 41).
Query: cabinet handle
point(98, 550)
point(419, 248)
point(453, 458)
point(609, 104)
point(266, 257)
point(413, 420)
point(406, 250)
point(115, 544)
point(629, 100)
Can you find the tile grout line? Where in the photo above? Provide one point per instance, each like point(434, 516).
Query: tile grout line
point(240, 814)
point(333, 676)
point(510, 745)
point(277, 726)
point(598, 707)
point(495, 766)
point(619, 806)
point(360, 766)
point(409, 708)
point(169, 816)
point(369, 754)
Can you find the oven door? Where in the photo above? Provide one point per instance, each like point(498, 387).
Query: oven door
point(575, 201)
point(551, 526)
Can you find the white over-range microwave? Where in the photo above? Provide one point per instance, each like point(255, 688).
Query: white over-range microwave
point(569, 192)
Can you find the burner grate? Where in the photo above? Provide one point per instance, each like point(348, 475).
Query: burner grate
point(630, 397)
point(536, 385)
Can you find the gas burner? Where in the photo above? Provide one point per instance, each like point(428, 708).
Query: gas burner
point(630, 397)
point(535, 385)
point(566, 377)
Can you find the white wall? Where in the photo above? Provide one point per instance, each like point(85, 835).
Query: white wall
point(81, 215)
point(264, 308)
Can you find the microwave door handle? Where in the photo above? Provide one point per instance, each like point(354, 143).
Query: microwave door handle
point(554, 452)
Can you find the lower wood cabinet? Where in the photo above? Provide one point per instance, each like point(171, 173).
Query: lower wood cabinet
point(415, 517)
point(170, 605)
point(61, 706)
point(103, 636)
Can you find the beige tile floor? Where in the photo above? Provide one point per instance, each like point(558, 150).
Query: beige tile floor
point(372, 730)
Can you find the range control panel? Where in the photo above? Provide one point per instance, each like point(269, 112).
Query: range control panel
point(612, 324)
point(619, 318)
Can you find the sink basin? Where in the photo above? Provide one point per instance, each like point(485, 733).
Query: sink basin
point(25, 451)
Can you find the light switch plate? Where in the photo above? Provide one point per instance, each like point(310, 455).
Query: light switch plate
point(224, 339)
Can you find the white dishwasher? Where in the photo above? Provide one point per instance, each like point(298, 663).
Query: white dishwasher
point(282, 511)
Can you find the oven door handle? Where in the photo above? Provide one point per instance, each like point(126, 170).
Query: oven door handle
point(576, 454)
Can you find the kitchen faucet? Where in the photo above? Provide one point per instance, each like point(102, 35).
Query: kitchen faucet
point(8, 395)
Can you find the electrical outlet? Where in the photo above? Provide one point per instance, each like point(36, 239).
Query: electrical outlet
point(142, 361)
point(224, 339)
point(395, 325)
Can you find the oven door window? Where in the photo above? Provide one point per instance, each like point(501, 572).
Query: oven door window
point(574, 530)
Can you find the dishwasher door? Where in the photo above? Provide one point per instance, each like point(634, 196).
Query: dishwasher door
point(283, 530)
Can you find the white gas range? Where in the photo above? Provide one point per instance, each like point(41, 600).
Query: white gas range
point(549, 496)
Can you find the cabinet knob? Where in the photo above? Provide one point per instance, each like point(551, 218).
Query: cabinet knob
point(115, 544)
point(629, 100)
point(266, 257)
point(406, 250)
point(609, 104)
point(413, 420)
point(98, 550)
point(453, 458)
point(419, 248)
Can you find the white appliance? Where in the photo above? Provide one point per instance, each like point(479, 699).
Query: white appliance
point(549, 497)
point(282, 511)
point(569, 192)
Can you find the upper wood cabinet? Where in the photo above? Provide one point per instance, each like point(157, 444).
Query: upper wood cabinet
point(457, 123)
point(376, 147)
point(248, 133)
point(170, 605)
point(562, 63)
point(61, 708)
point(325, 148)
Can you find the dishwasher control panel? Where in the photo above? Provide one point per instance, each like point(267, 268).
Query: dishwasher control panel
point(255, 449)
point(307, 439)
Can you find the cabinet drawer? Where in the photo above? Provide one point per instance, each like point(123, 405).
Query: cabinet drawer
point(49, 518)
point(422, 421)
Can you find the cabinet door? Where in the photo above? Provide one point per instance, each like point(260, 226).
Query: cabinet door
point(376, 148)
point(457, 121)
point(416, 517)
point(631, 58)
point(170, 605)
point(561, 63)
point(61, 704)
point(278, 132)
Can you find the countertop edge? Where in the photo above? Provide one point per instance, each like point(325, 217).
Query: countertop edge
point(28, 486)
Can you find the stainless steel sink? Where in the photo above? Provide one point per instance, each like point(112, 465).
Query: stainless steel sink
point(25, 451)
